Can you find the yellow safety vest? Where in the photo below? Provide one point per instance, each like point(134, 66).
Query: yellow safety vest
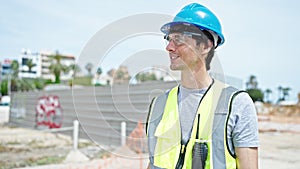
point(167, 134)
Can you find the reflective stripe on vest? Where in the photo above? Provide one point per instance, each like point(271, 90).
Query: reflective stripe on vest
point(163, 129)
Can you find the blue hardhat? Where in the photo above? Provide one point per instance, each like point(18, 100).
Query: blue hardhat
point(199, 16)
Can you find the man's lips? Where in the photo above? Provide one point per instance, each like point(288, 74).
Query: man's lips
point(174, 57)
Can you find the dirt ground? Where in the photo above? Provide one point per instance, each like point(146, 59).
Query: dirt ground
point(279, 148)
point(20, 147)
point(25, 148)
point(279, 141)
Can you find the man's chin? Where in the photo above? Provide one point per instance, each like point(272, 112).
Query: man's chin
point(175, 68)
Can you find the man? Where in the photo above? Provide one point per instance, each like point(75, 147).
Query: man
point(202, 123)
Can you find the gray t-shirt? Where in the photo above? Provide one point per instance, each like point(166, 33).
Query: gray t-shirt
point(242, 122)
point(188, 101)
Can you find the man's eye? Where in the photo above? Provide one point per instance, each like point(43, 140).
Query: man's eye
point(178, 39)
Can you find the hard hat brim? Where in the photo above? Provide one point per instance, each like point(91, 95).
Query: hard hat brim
point(166, 27)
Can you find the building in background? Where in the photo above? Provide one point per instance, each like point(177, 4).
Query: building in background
point(5, 74)
point(26, 71)
point(5, 68)
point(37, 65)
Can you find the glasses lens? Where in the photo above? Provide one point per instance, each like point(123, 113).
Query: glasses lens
point(177, 39)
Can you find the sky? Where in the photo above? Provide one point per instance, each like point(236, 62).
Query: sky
point(261, 36)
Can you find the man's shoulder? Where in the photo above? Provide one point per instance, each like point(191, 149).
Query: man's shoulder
point(162, 97)
point(239, 96)
point(243, 98)
point(164, 94)
point(230, 89)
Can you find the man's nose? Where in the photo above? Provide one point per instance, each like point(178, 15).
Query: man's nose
point(171, 46)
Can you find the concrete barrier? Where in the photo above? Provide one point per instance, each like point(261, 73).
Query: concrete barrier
point(4, 114)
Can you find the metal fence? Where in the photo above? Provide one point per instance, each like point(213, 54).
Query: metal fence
point(99, 110)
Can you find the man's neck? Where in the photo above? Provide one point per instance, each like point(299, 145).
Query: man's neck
point(195, 79)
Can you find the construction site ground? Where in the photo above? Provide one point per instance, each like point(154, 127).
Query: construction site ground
point(25, 148)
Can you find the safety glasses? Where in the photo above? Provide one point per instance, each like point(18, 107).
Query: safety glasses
point(181, 38)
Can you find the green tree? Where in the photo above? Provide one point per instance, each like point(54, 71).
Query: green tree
point(152, 77)
point(255, 94)
point(142, 77)
point(99, 71)
point(252, 82)
point(29, 63)
point(56, 67)
point(280, 94)
point(285, 92)
point(4, 89)
point(267, 95)
point(15, 69)
point(75, 68)
point(89, 67)
point(14, 82)
point(252, 88)
point(39, 83)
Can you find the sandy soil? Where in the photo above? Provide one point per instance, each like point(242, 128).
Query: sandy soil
point(19, 146)
point(279, 150)
point(279, 141)
point(281, 118)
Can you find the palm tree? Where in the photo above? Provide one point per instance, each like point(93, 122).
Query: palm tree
point(286, 92)
point(252, 83)
point(280, 97)
point(29, 63)
point(99, 71)
point(268, 92)
point(15, 69)
point(56, 67)
point(255, 93)
point(89, 67)
point(75, 68)
point(15, 73)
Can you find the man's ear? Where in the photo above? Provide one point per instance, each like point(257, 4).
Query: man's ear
point(206, 47)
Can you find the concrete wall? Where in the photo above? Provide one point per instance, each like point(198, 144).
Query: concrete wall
point(100, 110)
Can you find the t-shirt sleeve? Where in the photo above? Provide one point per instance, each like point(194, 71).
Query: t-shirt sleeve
point(245, 124)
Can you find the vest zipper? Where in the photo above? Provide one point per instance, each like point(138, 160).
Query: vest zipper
point(182, 149)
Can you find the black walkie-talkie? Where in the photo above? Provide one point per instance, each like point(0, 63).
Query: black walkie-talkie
point(200, 151)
